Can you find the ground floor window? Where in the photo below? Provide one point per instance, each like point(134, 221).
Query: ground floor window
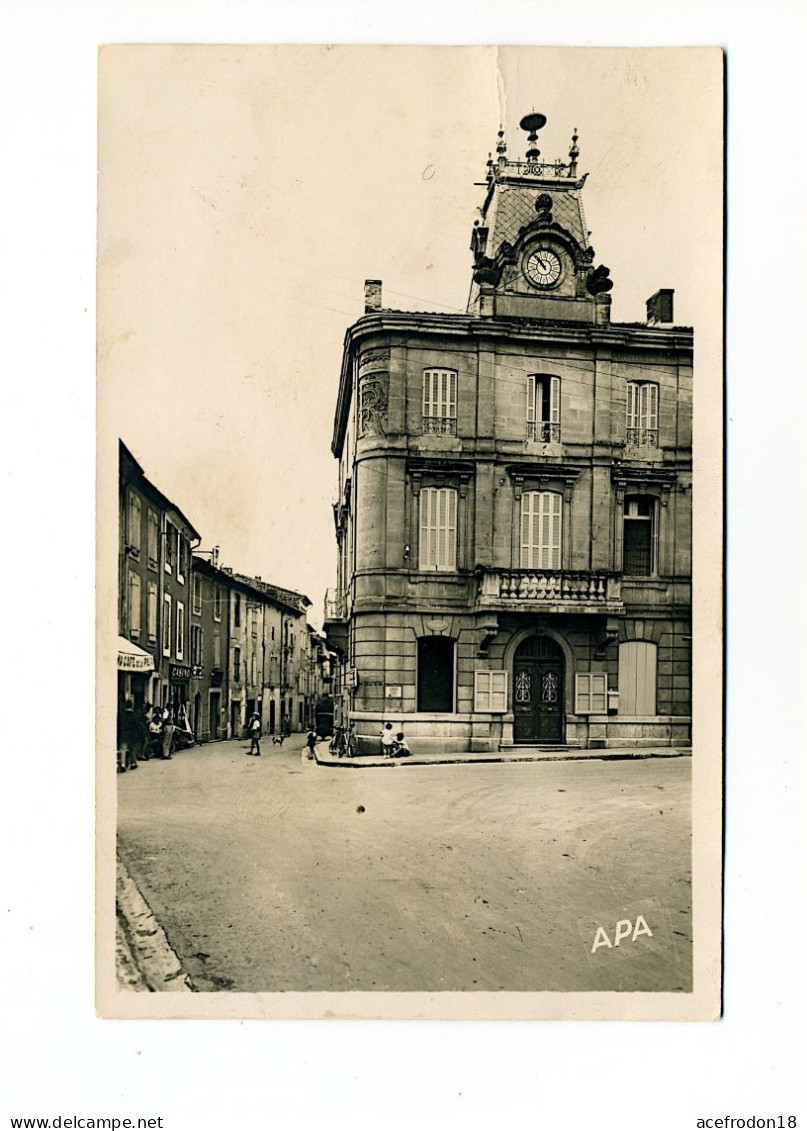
point(490, 691)
point(637, 678)
point(435, 673)
point(590, 693)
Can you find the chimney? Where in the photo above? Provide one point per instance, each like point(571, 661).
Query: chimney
point(660, 307)
point(372, 295)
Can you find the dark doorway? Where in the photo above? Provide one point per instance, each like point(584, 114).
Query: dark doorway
point(435, 673)
point(271, 716)
point(538, 691)
point(215, 714)
point(235, 719)
point(197, 715)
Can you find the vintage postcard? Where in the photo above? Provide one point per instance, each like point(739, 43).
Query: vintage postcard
point(410, 369)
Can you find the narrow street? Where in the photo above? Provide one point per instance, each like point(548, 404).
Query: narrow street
point(274, 873)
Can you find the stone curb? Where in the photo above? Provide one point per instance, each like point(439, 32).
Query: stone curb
point(145, 960)
point(372, 761)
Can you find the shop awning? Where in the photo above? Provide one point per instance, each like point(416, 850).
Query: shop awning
point(133, 659)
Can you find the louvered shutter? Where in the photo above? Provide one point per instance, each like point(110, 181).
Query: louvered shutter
point(527, 502)
point(633, 407)
point(554, 400)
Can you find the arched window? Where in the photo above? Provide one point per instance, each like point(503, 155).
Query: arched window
point(541, 520)
point(640, 536)
point(637, 678)
point(435, 673)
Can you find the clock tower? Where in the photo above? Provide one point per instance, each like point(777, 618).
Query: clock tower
point(532, 258)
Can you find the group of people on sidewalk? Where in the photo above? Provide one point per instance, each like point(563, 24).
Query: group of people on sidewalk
point(151, 732)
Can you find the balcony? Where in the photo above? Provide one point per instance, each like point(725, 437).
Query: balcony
point(542, 432)
point(641, 438)
point(335, 621)
point(439, 425)
point(550, 591)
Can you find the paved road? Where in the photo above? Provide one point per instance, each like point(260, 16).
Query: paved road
point(493, 877)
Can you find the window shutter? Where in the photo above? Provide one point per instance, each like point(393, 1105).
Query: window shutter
point(498, 691)
point(490, 691)
point(451, 535)
point(526, 529)
point(531, 387)
point(637, 678)
point(166, 625)
point(582, 694)
point(633, 414)
point(423, 548)
point(556, 531)
point(554, 400)
point(482, 691)
point(152, 610)
point(134, 604)
point(590, 693)
point(652, 406)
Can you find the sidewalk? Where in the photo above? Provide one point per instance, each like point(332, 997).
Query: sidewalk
point(514, 754)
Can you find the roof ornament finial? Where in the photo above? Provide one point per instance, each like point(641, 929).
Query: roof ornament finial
point(489, 173)
point(532, 123)
point(574, 153)
point(501, 144)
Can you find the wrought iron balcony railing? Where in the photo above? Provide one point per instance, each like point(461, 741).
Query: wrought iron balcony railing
point(641, 438)
point(543, 432)
point(440, 425)
point(572, 589)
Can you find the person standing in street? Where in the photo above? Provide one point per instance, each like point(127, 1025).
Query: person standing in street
point(311, 742)
point(254, 731)
point(129, 735)
point(387, 740)
point(168, 732)
point(155, 733)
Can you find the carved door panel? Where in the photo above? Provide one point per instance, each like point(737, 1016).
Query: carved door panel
point(538, 692)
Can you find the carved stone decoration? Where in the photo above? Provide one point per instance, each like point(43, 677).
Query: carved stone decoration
point(486, 271)
point(375, 358)
point(372, 404)
point(543, 206)
point(598, 281)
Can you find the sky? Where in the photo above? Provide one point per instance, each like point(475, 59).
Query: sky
point(246, 193)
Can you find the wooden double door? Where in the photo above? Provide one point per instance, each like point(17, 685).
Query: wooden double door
point(538, 672)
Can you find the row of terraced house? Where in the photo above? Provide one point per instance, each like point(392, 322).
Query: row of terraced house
point(213, 644)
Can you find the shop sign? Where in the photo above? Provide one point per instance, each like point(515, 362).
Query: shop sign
point(179, 673)
point(198, 671)
point(127, 662)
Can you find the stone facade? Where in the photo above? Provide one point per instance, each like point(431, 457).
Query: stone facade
point(514, 505)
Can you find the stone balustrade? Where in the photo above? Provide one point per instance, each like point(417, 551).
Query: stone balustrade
point(570, 590)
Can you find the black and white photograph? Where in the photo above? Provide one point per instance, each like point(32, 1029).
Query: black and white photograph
point(402, 450)
point(409, 569)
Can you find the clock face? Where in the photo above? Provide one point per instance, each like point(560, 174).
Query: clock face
point(543, 268)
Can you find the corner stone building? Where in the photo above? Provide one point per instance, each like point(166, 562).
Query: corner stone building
point(514, 515)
